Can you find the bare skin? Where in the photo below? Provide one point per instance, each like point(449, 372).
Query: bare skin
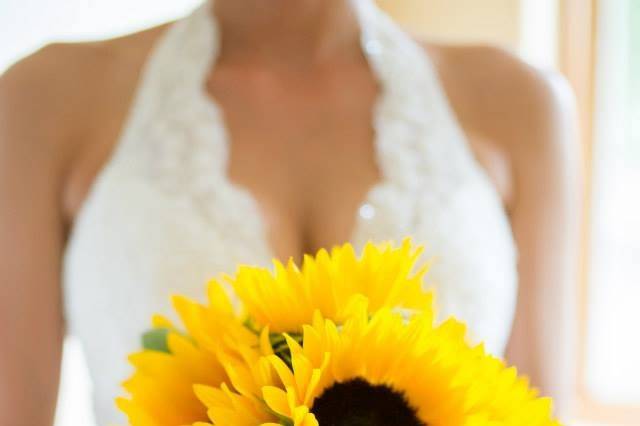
point(62, 110)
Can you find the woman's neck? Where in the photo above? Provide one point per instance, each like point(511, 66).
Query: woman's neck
point(289, 32)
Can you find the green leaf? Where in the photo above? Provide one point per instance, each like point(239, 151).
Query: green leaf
point(156, 340)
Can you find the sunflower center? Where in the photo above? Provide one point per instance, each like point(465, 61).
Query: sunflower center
point(359, 403)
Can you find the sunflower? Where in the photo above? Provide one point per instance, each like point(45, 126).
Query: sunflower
point(220, 355)
point(287, 297)
point(237, 402)
point(234, 403)
point(382, 369)
point(342, 341)
point(161, 388)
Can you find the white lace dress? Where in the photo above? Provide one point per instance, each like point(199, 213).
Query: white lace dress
point(163, 217)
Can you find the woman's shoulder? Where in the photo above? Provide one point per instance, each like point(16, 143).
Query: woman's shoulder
point(504, 98)
point(522, 115)
point(492, 86)
point(65, 66)
point(67, 100)
point(62, 86)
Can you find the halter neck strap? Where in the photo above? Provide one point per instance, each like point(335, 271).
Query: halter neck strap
point(181, 132)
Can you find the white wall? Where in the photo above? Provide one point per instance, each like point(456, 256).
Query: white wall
point(25, 25)
point(493, 21)
point(613, 371)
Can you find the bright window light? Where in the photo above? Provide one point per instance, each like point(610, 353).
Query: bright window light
point(613, 361)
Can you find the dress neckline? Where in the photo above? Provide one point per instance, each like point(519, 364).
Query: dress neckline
point(178, 128)
point(211, 34)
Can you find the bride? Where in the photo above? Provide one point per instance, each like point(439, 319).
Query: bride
point(141, 166)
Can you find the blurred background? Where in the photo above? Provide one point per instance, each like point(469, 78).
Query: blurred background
point(594, 43)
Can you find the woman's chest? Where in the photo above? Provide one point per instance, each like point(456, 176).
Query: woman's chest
point(306, 154)
point(308, 171)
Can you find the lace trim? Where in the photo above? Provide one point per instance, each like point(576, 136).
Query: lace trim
point(182, 139)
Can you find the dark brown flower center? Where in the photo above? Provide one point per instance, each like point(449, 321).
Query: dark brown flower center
point(359, 403)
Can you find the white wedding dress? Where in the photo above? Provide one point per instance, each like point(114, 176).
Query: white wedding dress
point(163, 217)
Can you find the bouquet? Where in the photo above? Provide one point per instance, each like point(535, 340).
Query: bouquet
point(343, 340)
